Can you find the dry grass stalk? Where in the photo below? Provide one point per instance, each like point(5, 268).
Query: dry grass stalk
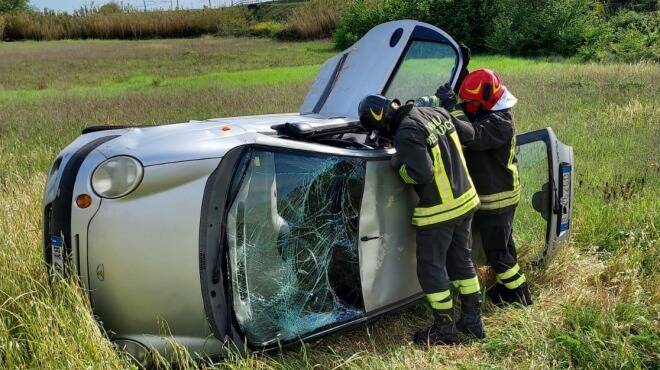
point(316, 19)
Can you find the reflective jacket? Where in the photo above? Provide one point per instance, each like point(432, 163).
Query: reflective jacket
point(430, 157)
point(491, 159)
point(491, 156)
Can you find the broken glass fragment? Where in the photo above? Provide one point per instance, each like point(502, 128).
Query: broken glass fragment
point(292, 231)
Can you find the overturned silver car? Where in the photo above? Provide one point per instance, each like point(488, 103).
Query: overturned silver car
point(266, 230)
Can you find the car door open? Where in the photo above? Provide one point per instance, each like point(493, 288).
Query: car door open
point(543, 216)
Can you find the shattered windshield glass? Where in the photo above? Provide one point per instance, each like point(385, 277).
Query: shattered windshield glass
point(292, 233)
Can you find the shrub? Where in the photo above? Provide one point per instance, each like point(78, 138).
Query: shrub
point(110, 8)
point(267, 29)
point(613, 6)
point(234, 21)
point(278, 12)
point(13, 5)
point(316, 19)
point(466, 20)
point(544, 27)
point(631, 37)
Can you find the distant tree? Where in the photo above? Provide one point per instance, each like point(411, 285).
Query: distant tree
point(110, 8)
point(12, 5)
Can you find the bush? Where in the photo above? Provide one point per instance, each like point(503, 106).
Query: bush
point(267, 29)
point(13, 5)
point(359, 17)
point(544, 27)
point(316, 19)
point(631, 37)
point(613, 6)
point(522, 27)
point(234, 21)
point(466, 20)
point(110, 8)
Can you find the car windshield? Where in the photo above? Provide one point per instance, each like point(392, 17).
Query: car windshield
point(426, 66)
point(292, 235)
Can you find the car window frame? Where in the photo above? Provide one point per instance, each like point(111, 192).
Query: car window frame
point(238, 336)
point(553, 235)
point(424, 34)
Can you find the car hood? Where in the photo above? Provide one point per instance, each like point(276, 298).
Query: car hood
point(199, 139)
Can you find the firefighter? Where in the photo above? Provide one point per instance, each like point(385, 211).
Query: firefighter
point(430, 158)
point(492, 163)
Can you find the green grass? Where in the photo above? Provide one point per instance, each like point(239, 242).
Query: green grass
point(597, 305)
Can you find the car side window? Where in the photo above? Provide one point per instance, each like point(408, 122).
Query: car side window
point(292, 233)
point(426, 66)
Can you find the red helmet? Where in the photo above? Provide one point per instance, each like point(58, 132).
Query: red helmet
point(481, 89)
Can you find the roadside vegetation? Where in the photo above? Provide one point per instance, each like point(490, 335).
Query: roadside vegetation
point(588, 30)
point(297, 20)
point(597, 305)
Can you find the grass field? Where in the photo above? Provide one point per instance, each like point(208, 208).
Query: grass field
point(597, 305)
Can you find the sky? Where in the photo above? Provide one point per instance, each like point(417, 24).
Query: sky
point(71, 5)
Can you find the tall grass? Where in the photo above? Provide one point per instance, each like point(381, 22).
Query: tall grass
point(317, 18)
point(314, 19)
point(126, 25)
point(597, 305)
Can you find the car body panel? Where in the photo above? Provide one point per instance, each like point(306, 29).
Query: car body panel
point(387, 241)
point(143, 256)
point(200, 139)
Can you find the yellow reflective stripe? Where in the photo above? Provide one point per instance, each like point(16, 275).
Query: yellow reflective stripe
point(435, 101)
point(457, 113)
point(499, 196)
point(441, 179)
point(440, 296)
point(516, 283)
point(486, 206)
point(429, 211)
point(403, 172)
point(512, 166)
point(467, 286)
point(509, 273)
point(449, 215)
point(442, 305)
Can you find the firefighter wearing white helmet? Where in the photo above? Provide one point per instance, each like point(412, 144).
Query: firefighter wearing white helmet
point(492, 163)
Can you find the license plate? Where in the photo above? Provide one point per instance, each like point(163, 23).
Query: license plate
point(565, 171)
point(57, 248)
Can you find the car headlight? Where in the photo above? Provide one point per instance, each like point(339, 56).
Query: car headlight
point(117, 177)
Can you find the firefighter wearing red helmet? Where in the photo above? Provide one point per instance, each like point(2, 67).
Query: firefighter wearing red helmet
point(491, 160)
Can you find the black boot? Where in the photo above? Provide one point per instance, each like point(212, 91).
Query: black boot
point(501, 296)
point(442, 332)
point(471, 323)
point(497, 294)
point(520, 295)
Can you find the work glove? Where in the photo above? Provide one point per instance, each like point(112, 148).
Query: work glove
point(447, 97)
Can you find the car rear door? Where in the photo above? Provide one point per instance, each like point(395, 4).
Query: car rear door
point(543, 216)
